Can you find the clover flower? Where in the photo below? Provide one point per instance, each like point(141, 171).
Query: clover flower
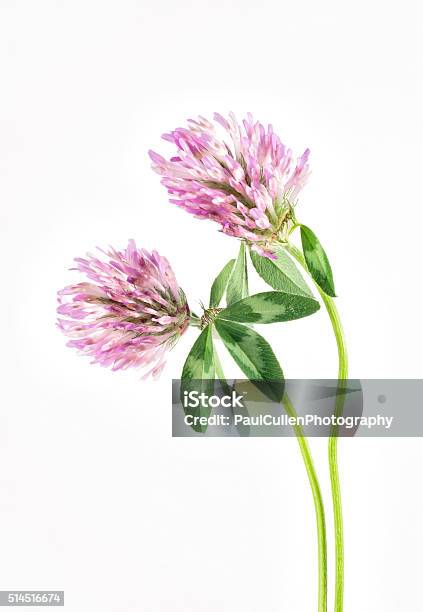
point(129, 314)
point(247, 183)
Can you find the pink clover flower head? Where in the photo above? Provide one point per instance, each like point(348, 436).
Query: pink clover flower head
point(244, 179)
point(129, 313)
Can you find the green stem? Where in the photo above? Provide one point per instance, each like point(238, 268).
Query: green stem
point(318, 505)
point(194, 320)
point(333, 440)
point(315, 488)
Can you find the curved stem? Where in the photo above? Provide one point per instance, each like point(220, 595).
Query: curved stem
point(315, 488)
point(333, 440)
point(318, 505)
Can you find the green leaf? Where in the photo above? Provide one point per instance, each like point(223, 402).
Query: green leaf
point(200, 363)
point(238, 282)
point(270, 307)
point(198, 374)
point(220, 375)
point(220, 283)
point(317, 261)
point(254, 356)
point(281, 273)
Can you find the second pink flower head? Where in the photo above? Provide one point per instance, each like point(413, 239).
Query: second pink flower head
point(128, 314)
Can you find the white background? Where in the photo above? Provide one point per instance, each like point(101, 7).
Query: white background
point(95, 496)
